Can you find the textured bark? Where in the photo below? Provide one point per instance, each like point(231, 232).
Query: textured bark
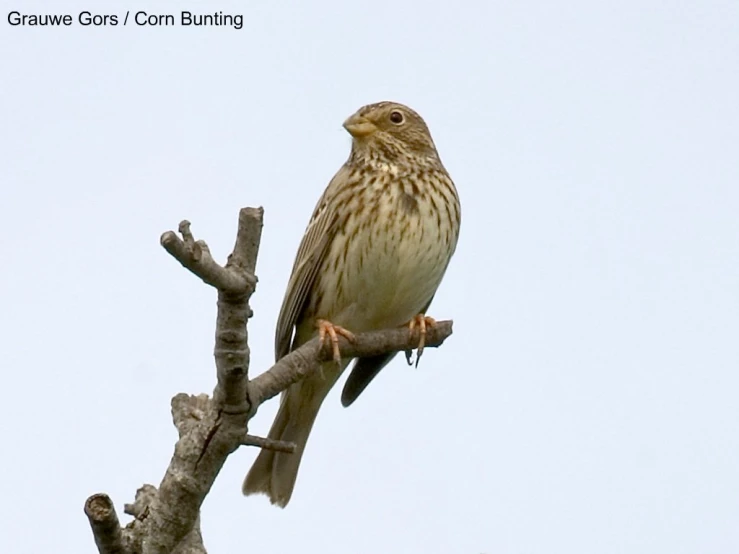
point(104, 522)
point(166, 519)
point(300, 363)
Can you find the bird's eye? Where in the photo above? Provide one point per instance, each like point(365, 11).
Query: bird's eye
point(396, 117)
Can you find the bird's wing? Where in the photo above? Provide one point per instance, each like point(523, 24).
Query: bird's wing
point(364, 370)
point(313, 248)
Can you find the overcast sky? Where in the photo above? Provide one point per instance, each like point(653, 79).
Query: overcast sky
point(587, 401)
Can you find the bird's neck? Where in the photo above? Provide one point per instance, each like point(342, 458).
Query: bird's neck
point(388, 159)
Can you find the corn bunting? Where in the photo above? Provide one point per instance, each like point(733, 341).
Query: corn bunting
point(372, 257)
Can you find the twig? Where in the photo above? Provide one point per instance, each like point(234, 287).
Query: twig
point(195, 256)
point(269, 444)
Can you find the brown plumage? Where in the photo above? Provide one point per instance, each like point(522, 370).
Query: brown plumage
point(373, 255)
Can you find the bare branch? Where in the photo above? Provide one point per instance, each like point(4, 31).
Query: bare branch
point(104, 522)
point(167, 518)
point(248, 237)
point(196, 257)
point(219, 428)
point(232, 340)
point(304, 361)
point(269, 444)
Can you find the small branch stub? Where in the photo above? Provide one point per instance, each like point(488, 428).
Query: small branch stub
point(269, 444)
point(104, 523)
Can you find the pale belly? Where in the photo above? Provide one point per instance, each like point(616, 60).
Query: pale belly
point(389, 276)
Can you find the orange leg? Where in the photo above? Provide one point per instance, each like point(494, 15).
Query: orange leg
point(326, 329)
point(420, 322)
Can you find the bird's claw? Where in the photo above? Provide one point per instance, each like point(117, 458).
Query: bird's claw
point(326, 329)
point(420, 322)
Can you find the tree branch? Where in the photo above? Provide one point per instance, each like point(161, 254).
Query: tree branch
point(205, 444)
point(167, 518)
point(232, 340)
point(104, 522)
point(303, 361)
point(269, 444)
point(195, 256)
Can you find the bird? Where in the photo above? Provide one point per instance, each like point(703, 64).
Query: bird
point(372, 257)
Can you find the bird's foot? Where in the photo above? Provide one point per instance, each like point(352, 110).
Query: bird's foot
point(420, 322)
point(327, 330)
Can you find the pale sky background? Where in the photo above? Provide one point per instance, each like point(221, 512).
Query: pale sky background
point(588, 399)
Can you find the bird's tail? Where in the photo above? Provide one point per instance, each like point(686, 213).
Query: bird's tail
point(274, 473)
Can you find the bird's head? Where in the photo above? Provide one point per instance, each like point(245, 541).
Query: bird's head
point(390, 130)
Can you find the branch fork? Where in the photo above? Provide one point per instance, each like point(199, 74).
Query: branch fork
point(210, 429)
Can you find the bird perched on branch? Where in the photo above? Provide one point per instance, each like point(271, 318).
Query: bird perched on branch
point(373, 255)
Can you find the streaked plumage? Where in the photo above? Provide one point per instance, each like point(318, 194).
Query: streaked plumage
point(373, 255)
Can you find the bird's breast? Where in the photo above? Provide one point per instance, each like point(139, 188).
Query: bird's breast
point(393, 252)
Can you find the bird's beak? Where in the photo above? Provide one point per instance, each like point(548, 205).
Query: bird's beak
point(359, 126)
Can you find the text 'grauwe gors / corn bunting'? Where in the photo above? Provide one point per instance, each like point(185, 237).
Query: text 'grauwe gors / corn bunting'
point(136, 19)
